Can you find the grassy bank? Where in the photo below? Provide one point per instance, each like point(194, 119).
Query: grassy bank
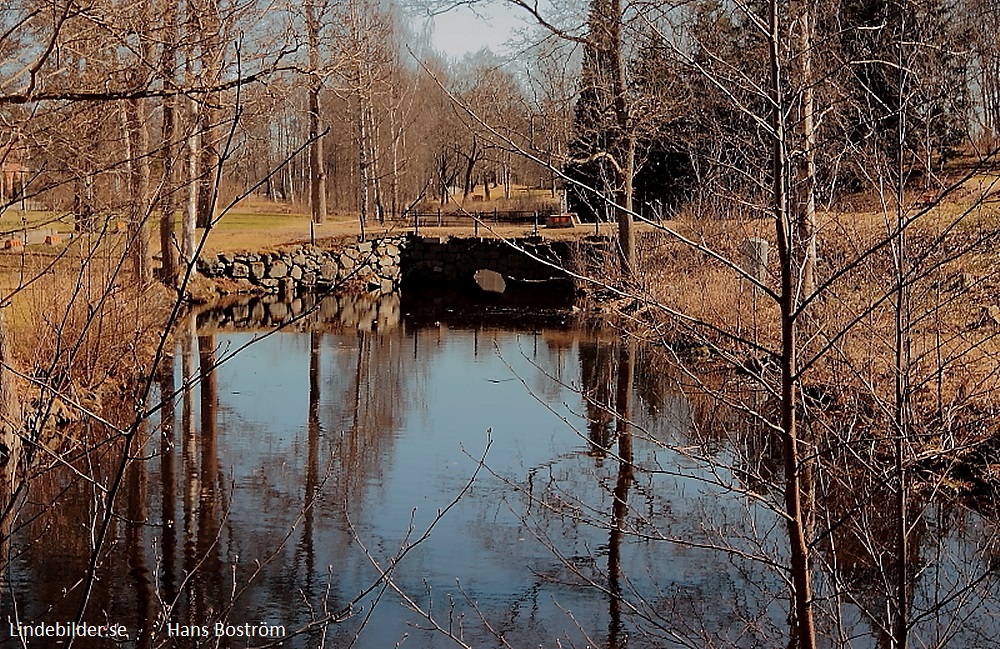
point(876, 355)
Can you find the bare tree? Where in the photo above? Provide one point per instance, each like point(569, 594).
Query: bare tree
point(314, 14)
point(169, 149)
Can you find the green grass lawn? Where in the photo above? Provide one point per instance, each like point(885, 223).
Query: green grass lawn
point(251, 220)
point(15, 221)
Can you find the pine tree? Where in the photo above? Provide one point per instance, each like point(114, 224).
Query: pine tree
point(603, 152)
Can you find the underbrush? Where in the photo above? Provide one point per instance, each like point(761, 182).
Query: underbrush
point(711, 321)
point(84, 338)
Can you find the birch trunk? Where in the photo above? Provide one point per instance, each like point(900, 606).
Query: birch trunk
point(168, 251)
point(317, 172)
point(807, 218)
point(137, 143)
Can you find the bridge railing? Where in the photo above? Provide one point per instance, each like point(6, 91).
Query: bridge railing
point(474, 219)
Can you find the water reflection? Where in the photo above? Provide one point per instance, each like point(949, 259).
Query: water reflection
point(312, 462)
point(597, 372)
point(212, 497)
point(168, 481)
point(615, 511)
point(137, 498)
point(619, 510)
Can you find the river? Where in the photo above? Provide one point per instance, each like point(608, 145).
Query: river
point(416, 474)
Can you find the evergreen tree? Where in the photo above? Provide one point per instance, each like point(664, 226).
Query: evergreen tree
point(907, 76)
point(598, 131)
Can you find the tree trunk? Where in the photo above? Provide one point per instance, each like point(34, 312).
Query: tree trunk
point(470, 164)
point(364, 167)
point(10, 446)
point(625, 146)
point(506, 177)
point(552, 169)
point(373, 157)
point(209, 164)
point(902, 361)
point(190, 219)
point(168, 251)
point(317, 171)
point(807, 212)
point(209, 115)
point(989, 74)
point(137, 138)
point(397, 141)
point(446, 176)
point(803, 630)
point(626, 226)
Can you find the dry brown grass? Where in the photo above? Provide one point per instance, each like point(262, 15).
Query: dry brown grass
point(953, 310)
point(694, 283)
point(82, 333)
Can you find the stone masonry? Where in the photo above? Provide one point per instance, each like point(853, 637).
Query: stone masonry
point(366, 266)
point(381, 265)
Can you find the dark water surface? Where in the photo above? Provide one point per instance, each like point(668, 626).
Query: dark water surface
point(280, 487)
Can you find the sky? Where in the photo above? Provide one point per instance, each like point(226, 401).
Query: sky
point(462, 31)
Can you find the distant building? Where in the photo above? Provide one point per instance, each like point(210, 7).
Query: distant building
point(12, 174)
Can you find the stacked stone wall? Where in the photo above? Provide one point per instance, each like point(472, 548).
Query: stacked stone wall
point(364, 312)
point(383, 265)
point(367, 266)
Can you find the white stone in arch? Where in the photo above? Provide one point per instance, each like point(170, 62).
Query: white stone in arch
point(490, 281)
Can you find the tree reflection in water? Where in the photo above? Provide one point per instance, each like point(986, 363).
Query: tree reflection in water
point(168, 480)
point(619, 512)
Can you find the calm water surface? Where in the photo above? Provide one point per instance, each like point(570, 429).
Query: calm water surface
point(281, 486)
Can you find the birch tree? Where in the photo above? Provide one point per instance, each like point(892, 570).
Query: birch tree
point(315, 13)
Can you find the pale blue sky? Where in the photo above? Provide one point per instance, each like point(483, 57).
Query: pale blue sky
point(461, 31)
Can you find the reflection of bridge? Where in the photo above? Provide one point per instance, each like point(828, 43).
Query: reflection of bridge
point(370, 312)
point(365, 312)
